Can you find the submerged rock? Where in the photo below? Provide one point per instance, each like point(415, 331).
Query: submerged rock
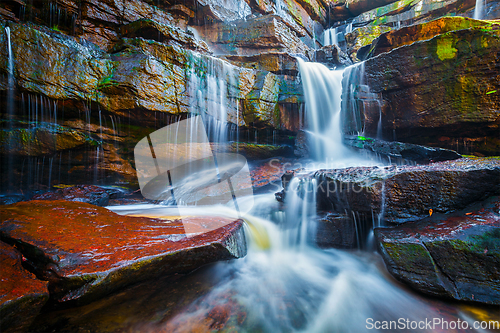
point(455, 256)
point(86, 252)
point(22, 295)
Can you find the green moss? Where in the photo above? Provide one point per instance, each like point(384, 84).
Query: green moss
point(445, 49)
point(107, 82)
point(407, 254)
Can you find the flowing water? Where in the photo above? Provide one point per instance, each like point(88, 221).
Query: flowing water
point(479, 10)
point(330, 37)
point(10, 101)
point(285, 283)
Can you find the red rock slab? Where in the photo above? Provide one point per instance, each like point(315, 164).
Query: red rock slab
point(86, 251)
point(22, 295)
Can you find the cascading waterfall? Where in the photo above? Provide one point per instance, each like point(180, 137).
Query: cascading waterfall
point(286, 283)
point(322, 92)
point(209, 93)
point(10, 105)
point(10, 75)
point(479, 10)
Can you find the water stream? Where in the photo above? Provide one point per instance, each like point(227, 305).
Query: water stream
point(286, 283)
point(479, 10)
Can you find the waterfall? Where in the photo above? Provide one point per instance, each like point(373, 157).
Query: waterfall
point(322, 92)
point(330, 37)
point(10, 109)
point(323, 102)
point(285, 283)
point(479, 10)
point(10, 79)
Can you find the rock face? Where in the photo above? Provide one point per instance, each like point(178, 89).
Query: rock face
point(143, 75)
point(422, 32)
point(439, 92)
point(21, 294)
point(39, 139)
point(407, 193)
point(454, 256)
point(85, 251)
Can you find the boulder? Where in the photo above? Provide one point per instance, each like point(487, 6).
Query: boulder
point(407, 193)
point(362, 37)
point(22, 295)
point(454, 256)
point(344, 10)
point(408, 12)
point(86, 252)
point(438, 92)
point(99, 21)
point(141, 76)
point(274, 62)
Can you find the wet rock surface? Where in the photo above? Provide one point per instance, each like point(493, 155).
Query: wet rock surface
point(86, 252)
point(39, 139)
point(425, 31)
point(400, 151)
point(438, 92)
point(336, 231)
point(407, 193)
point(333, 57)
point(22, 295)
point(94, 195)
point(454, 256)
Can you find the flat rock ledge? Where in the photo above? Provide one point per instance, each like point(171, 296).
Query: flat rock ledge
point(85, 251)
point(22, 295)
point(404, 193)
point(454, 256)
